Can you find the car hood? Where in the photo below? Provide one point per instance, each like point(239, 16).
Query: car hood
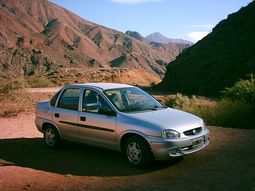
point(168, 119)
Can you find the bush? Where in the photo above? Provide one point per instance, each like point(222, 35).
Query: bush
point(227, 113)
point(20, 101)
point(38, 82)
point(8, 85)
point(178, 101)
point(224, 112)
point(14, 99)
point(242, 90)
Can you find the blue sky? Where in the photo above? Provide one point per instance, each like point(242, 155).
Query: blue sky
point(185, 19)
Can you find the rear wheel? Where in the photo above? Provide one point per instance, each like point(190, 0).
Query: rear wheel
point(51, 137)
point(137, 152)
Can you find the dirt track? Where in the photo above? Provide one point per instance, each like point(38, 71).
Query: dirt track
point(228, 163)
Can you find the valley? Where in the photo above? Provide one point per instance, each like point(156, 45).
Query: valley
point(44, 46)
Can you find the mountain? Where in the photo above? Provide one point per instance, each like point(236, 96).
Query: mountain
point(171, 49)
point(40, 38)
point(218, 60)
point(136, 35)
point(159, 38)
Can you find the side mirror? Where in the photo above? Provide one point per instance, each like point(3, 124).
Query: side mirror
point(107, 111)
point(92, 106)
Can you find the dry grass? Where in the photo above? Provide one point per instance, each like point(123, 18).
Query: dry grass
point(39, 82)
point(223, 112)
point(20, 101)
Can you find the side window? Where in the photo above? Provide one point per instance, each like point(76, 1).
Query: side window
point(94, 102)
point(69, 99)
point(54, 99)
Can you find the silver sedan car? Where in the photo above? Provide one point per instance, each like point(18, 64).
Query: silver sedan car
point(120, 117)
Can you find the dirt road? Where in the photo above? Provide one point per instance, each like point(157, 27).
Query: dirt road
point(42, 90)
point(228, 163)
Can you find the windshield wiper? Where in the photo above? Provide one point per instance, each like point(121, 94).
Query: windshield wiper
point(155, 107)
point(152, 108)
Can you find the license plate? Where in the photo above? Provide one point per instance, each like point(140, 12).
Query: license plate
point(198, 141)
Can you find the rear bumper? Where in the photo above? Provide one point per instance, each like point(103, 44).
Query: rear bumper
point(164, 149)
point(38, 123)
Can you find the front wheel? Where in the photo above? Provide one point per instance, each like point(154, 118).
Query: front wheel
point(137, 152)
point(51, 137)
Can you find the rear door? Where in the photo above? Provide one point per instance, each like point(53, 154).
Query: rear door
point(66, 113)
point(96, 128)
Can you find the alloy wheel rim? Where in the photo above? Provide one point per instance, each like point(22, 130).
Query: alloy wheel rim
point(134, 153)
point(50, 137)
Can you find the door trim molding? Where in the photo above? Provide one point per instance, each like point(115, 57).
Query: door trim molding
point(87, 126)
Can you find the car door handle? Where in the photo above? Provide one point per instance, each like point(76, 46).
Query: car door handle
point(56, 115)
point(83, 118)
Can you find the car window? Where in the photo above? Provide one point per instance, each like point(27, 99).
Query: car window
point(54, 99)
point(132, 99)
point(94, 102)
point(70, 99)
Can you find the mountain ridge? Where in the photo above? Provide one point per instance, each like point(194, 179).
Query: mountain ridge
point(159, 38)
point(38, 37)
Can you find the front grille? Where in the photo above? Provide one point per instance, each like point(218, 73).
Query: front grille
point(193, 131)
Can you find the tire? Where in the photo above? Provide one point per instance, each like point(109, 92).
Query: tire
point(137, 152)
point(51, 137)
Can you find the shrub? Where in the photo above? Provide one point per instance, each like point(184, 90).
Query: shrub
point(8, 85)
point(227, 113)
point(224, 112)
point(20, 41)
point(178, 101)
point(233, 113)
point(20, 101)
point(39, 82)
point(242, 90)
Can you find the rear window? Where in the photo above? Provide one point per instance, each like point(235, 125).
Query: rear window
point(69, 99)
point(54, 99)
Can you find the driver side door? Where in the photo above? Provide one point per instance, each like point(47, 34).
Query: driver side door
point(97, 128)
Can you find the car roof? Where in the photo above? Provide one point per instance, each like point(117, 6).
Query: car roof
point(102, 86)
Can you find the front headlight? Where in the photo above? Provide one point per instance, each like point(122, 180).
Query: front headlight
point(170, 134)
point(204, 125)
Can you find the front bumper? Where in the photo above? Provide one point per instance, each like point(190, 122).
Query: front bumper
point(163, 149)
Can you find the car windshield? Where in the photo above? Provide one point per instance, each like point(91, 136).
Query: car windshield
point(132, 99)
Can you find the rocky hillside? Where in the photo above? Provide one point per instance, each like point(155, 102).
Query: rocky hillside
point(38, 37)
point(172, 49)
point(218, 60)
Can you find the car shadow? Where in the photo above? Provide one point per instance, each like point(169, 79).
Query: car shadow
point(71, 158)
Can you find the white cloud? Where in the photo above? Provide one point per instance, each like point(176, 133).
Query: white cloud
point(196, 36)
point(209, 26)
point(133, 1)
